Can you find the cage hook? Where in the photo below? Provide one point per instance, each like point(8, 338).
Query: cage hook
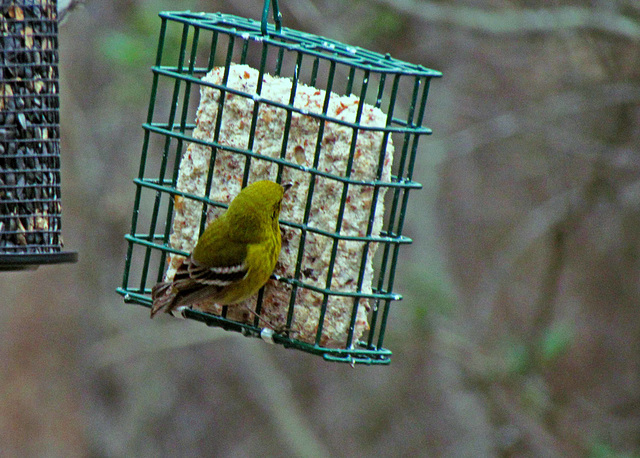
point(277, 17)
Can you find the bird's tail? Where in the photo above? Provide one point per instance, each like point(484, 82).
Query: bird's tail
point(163, 295)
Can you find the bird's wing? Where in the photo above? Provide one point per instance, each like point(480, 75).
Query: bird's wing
point(195, 283)
point(215, 263)
point(213, 275)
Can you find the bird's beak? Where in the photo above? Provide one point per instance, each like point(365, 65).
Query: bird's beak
point(287, 185)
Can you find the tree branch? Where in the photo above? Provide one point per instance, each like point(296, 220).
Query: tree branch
point(520, 21)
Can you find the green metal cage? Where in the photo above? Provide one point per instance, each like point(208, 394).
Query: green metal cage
point(190, 45)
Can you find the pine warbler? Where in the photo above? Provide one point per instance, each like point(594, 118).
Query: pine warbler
point(233, 258)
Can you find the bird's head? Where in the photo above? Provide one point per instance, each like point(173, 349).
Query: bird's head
point(256, 208)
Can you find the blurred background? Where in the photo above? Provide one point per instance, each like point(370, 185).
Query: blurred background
point(519, 332)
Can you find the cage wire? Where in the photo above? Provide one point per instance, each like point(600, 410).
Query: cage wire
point(192, 44)
point(30, 205)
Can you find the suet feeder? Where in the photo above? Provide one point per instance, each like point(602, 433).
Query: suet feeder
point(30, 209)
point(274, 103)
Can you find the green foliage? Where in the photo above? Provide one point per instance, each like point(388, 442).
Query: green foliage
point(509, 359)
point(516, 359)
point(535, 396)
point(125, 49)
point(383, 23)
point(555, 342)
point(601, 449)
point(431, 294)
point(131, 50)
point(386, 23)
point(135, 44)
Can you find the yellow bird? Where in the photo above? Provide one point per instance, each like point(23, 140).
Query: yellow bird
point(234, 257)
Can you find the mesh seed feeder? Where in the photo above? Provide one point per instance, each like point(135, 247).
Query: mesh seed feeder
point(30, 210)
point(274, 103)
